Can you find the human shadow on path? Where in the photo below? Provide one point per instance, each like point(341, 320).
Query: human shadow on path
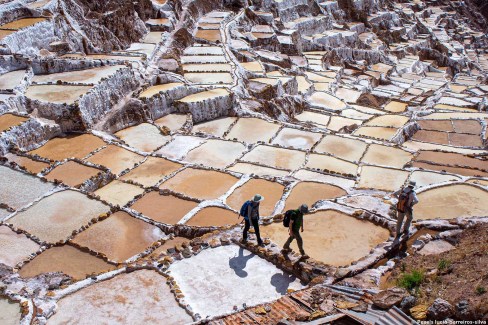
point(281, 282)
point(239, 262)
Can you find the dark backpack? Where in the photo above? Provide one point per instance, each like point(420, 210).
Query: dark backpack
point(287, 218)
point(402, 205)
point(244, 209)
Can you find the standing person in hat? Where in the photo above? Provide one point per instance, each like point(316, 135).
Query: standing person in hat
point(250, 212)
point(407, 198)
point(296, 224)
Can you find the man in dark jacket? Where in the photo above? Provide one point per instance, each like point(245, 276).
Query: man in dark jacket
point(253, 217)
point(296, 224)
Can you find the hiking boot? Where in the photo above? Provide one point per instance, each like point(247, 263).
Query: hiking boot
point(285, 250)
point(305, 256)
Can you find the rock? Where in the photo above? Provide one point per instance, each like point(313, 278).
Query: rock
point(343, 304)
point(419, 312)
point(302, 316)
point(341, 273)
point(407, 303)
point(440, 310)
point(327, 306)
point(214, 242)
point(362, 307)
point(316, 314)
point(260, 311)
point(463, 311)
point(390, 297)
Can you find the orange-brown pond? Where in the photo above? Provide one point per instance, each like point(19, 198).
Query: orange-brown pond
point(55, 217)
point(119, 237)
point(72, 173)
point(115, 158)
point(452, 201)
point(151, 171)
point(311, 192)
point(66, 259)
point(163, 208)
point(452, 159)
point(213, 216)
point(29, 164)
point(118, 193)
point(332, 237)
point(58, 94)
point(271, 191)
point(21, 23)
point(211, 184)
point(77, 146)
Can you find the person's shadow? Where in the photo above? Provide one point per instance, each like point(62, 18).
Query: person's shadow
point(281, 282)
point(238, 263)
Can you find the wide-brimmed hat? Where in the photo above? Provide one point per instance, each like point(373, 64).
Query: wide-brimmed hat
point(258, 198)
point(412, 183)
point(303, 208)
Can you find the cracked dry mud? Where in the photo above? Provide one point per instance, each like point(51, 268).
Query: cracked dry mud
point(132, 131)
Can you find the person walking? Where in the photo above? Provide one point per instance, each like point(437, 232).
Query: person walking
point(250, 212)
point(407, 198)
point(296, 224)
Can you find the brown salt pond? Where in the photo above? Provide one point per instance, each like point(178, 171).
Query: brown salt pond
point(345, 148)
point(66, 259)
point(211, 35)
point(395, 107)
point(10, 80)
point(30, 165)
point(382, 178)
point(173, 122)
point(451, 159)
point(331, 164)
point(310, 192)
point(145, 137)
point(214, 216)
point(252, 130)
point(72, 173)
point(9, 120)
point(115, 158)
point(4, 33)
point(478, 181)
point(395, 121)
point(271, 191)
point(19, 189)
point(465, 140)
point(118, 193)
point(22, 23)
point(55, 217)
point(10, 312)
point(296, 138)
point(245, 168)
point(332, 237)
point(216, 153)
point(163, 208)
point(386, 156)
point(75, 146)
point(452, 201)
point(215, 127)
point(211, 184)
point(452, 170)
point(154, 90)
point(276, 157)
point(151, 171)
point(467, 126)
point(140, 297)
point(431, 136)
point(119, 237)
point(57, 94)
point(436, 125)
point(424, 178)
point(88, 76)
point(15, 247)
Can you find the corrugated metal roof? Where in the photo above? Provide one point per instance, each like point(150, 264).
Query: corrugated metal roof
point(395, 316)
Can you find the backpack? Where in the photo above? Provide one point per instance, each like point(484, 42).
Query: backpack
point(287, 218)
point(244, 209)
point(403, 198)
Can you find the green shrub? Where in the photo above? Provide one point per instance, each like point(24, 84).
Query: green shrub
point(480, 290)
point(411, 280)
point(443, 264)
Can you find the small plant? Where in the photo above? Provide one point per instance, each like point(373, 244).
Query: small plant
point(480, 290)
point(411, 280)
point(443, 264)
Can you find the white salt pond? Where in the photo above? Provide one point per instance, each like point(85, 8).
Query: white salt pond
point(229, 276)
point(9, 312)
point(57, 94)
point(140, 297)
